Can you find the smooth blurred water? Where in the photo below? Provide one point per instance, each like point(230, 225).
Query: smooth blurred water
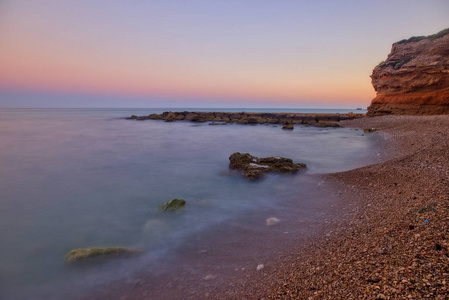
point(80, 178)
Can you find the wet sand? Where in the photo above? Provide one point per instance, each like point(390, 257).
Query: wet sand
point(386, 239)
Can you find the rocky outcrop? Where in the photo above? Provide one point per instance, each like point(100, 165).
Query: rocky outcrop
point(84, 255)
point(252, 118)
point(173, 205)
point(414, 79)
point(254, 168)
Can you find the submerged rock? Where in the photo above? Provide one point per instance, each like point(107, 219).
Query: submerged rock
point(81, 255)
point(254, 168)
point(218, 123)
point(288, 126)
point(172, 205)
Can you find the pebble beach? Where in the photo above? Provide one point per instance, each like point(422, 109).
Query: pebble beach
point(392, 240)
point(387, 240)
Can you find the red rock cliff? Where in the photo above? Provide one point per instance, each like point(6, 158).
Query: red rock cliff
point(414, 80)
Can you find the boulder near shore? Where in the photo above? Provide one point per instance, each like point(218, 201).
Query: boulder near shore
point(414, 79)
point(254, 168)
point(85, 255)
point(172, 205)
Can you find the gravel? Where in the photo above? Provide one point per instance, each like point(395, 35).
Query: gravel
point(387, 240)
point(391, 242)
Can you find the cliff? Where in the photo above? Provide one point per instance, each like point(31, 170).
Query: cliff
point(414, 80)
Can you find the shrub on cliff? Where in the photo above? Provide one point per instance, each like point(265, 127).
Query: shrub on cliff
point(437, 35)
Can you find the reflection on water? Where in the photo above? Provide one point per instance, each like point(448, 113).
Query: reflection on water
point(86, 178)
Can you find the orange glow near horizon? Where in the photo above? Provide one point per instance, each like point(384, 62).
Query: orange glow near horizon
point(41, 71)
point(205, 51)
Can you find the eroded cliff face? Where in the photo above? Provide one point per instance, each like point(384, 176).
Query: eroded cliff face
point(414, 79)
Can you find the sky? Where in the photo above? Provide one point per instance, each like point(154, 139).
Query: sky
point(186, 53)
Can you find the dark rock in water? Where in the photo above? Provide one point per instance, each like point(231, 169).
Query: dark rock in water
point(218, 123)
point(84, 255)
point(133, 117)
point(172, 205)
point(254, 168)
point(199, 118)
point(170, 117)
point(327, 124)
point(368, 130)
point(155, 117)
point(252, 118)
point(288, 126)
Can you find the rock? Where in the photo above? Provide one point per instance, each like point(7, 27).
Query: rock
point(155, 117)
point(81, 255)
point(242, 121)
point(210, 277)
point(368, 130)
point(199, 118)
point(254, 168)
point(272, 221)
point(327, 124)
point(414, 79)
point(287, 126)
point(260, 267)
point(322, 120)
point(170, 117)
point(173, 205)
point(190, 116)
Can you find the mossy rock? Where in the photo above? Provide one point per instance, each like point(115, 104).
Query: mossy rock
point(173, 205)
point(84, 255)
point(288, 126)
point(368, 130)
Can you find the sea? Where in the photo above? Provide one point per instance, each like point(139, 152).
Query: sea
point(82, 178)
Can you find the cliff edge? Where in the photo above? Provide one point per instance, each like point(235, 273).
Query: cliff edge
point(414, 80)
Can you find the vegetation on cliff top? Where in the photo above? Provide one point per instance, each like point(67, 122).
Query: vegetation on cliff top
point(419, 38)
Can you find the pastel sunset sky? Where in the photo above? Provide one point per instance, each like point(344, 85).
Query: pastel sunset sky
point(242, 53)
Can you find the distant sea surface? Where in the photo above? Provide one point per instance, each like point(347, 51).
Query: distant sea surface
point(81, 178)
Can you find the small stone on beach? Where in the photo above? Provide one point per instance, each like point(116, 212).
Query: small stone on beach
point(272, 221)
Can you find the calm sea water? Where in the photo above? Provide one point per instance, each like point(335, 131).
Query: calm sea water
point(80, 178)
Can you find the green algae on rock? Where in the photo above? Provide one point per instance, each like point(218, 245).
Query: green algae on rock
point(254, 168)
point(173, 205)
point(79, 255)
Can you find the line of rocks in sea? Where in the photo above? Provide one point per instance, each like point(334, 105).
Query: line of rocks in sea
point(222, 118)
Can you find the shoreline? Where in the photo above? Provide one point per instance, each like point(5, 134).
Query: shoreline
point(392, 241)
point(378, 245)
